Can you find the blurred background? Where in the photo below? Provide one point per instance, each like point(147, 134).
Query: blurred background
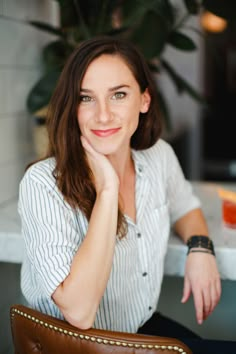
point(191, 48)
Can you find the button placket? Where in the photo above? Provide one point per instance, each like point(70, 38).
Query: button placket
point(144, 273)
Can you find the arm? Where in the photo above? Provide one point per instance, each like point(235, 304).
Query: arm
point(192, 223)
point(79, 295)
point(201, 274)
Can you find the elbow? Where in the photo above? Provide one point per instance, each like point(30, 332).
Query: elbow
point(78, 313)
point(79, 319)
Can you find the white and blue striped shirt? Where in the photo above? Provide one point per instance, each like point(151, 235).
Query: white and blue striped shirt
point(53, 231)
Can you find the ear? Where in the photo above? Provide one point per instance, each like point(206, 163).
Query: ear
point(146, 100)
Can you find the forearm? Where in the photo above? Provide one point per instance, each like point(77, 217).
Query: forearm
point(193, 223)
point(201, 278)
point(79, 295)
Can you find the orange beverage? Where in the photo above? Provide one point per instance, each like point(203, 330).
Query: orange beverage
point(228, 207)
point(229, 213)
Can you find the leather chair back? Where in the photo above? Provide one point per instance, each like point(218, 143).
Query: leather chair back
point(37, 333)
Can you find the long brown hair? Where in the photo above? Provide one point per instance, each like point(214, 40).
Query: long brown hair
point(73, 175)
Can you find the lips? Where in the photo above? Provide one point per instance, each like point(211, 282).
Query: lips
point(103, 133)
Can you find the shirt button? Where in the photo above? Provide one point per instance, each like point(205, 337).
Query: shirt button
point(138, 234)
point(144, 274)
point(140, 169)
point(150, 308)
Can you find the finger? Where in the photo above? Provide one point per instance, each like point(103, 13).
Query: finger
point(186, 290)
point(214, 299)
point(218, 288)
point(198, 304)
point(216, 293)
point(208, 295)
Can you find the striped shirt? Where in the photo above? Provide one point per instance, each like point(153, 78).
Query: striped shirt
point(53, 232)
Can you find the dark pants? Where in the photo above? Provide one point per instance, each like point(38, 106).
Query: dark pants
point(160, 325)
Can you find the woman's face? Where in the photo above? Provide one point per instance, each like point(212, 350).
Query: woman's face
point(110, 104)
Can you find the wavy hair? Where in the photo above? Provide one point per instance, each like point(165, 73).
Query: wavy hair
point(73, 175)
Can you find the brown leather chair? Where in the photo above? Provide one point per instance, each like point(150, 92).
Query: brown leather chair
point(34, 332)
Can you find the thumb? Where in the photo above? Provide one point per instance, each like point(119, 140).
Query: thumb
point(186, 291)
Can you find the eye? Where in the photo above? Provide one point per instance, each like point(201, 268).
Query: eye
point(84, 98)
point(118, 95)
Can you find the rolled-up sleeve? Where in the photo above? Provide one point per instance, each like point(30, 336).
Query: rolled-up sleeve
point(179, 189)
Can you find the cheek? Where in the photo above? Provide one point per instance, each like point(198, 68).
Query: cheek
point(135, 124)
point(133, 121)
point(82, 118)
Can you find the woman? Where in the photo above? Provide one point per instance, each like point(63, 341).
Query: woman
point(96, 212)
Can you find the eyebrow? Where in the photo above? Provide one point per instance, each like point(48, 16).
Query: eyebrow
point(110, 89)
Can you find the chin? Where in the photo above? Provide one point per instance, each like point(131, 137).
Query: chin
point(106, 147)
point(107, 151)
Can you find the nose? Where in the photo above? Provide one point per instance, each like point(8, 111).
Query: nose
point(104, 113)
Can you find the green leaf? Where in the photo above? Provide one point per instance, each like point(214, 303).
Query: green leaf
point(221, 8)
point(150, 35)
point(68, 14)
point(166, 11)
point(134, 11)
point(46, 27)
point(56, 53)
point(104, 19)
point(181, 84)
point(193, 6)
point(90, 17)
point(181, 41)
point(41, 92)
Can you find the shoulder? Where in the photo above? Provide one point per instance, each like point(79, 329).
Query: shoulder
point(160, 152)
point(39, 186)
point(39, 180)
point(41, 172)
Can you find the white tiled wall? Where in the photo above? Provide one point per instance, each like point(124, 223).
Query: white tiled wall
point(20, 50)
point(20, 64)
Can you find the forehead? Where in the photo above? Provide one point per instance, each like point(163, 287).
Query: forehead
point(113, 66)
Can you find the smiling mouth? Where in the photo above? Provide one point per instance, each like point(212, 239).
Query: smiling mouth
point(103, 133)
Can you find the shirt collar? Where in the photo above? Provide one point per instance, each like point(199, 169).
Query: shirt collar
point(139, 162)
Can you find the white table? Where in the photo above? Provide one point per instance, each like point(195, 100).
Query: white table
point(224, 238)
point(11, 243)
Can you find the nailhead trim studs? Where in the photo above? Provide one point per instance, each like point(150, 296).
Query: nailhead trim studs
point(97, 339)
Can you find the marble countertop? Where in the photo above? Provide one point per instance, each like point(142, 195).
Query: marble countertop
point(12, 248)
point(11, 242)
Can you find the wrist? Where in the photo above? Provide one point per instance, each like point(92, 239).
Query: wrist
point(200, 243)
point(108, 194)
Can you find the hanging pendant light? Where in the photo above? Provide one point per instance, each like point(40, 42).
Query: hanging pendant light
point(213, 23)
